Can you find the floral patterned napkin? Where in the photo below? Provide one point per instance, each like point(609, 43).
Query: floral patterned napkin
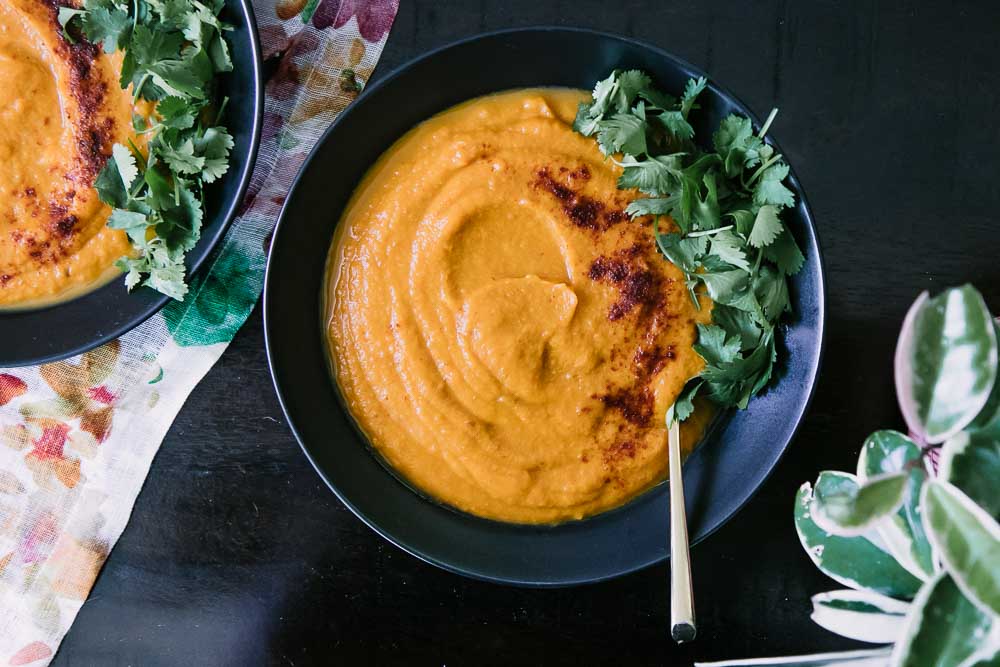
point(77, 437)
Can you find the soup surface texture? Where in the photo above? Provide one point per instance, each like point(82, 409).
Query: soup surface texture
point(61, 110)
point(506, 337)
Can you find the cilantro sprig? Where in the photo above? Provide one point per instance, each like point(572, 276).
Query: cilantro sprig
point(173, 50)
point(727, 234)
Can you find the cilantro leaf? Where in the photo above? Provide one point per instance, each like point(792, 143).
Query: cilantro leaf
point(676, 124)
point(134, 224)
point(218, 51)
point(650, 206)
point(771, 290)
point(785, 253)
point(125, 162)
point(658, 98)
point(692, 90)
point(181, 158)
point(181, 226)
point(766, 227)
point(164, 270)
point(174, 14)
point(684, 405)
point(725, 286)
point(731, 134)
point(630, 84)
point(770, 189)
point(585, 123)
point(183, 78)
point(743, 219)
point(682, 252)
point(736, 144)
point(746, 300)
point(729, 248)
point(738, 322)
point(215, 146)
point(655, 176)
point(734, 381)
point(705, 209)
point(603, 94)
point(176, 112)
point(110, 185)
point(110, 25)
point(150, 46)
point(65, 16)
point(159, 191)
point(715, 345)
point(622, 133)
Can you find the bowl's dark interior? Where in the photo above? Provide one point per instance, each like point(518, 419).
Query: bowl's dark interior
point(719, 477)
point(72, 327)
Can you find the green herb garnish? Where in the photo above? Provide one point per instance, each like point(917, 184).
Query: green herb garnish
point(173, 51)
point(726, 203)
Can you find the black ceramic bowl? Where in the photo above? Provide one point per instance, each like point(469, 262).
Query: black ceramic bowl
point(718, 478)
point(38, 335)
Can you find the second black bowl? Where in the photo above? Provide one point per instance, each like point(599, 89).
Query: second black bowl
point(67, 328)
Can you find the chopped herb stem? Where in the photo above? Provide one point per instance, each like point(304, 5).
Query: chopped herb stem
point(222, 109)
point(709, 232)
point(137, 91)
point(767, 123)
point(762, 168)
point(140, 158)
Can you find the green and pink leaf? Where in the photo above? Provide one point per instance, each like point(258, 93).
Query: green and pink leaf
point(946, 362)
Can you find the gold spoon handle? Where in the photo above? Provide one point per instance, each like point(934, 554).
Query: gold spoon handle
point(682, 627)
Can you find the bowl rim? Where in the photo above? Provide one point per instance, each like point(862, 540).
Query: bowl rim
point(157, 301)
point(813, 370)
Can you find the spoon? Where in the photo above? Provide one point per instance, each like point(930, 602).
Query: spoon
point(682, 627)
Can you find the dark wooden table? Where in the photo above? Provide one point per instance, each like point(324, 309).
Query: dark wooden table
point(237, 554)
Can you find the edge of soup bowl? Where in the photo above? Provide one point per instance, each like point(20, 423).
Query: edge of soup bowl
point(720, 476)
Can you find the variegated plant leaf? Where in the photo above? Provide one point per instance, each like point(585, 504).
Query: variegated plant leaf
point(870, 658)
point(886, 452)
point(967, 540)
point(861, 615)
point(844, 506)
point(860, 562)
point(946, 362)
point(944, 628)
point(971, 461)
point(989, 416)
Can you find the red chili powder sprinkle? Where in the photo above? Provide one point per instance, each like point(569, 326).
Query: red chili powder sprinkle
point(634, 403)
point(615, 216)
point(89, 90)
point(649, 361)
point(64, 226)
point(583, 211)
point(637, 284)
point(621, 450)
